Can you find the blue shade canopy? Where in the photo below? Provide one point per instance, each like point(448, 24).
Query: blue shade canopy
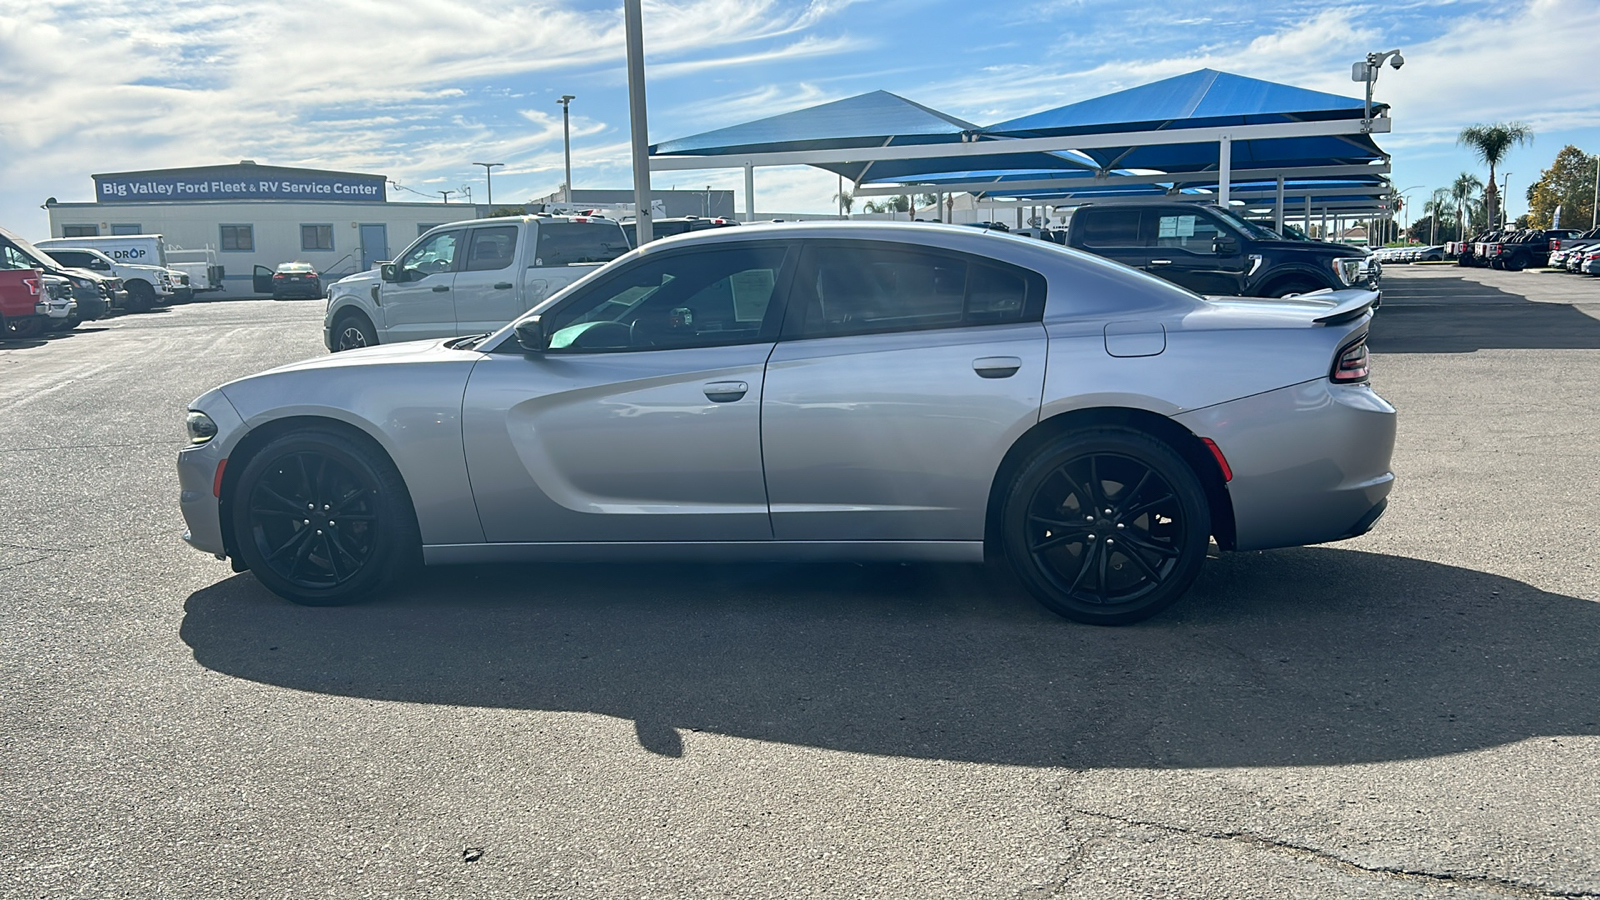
point(876, 119)
point(1205, 98)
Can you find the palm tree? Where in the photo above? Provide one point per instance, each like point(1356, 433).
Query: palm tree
point(1437, 205)
point(1491, 143)
point(1465, 186)
point(846, 202)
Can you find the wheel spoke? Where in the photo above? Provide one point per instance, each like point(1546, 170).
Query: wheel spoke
point(345, 501)
point(1061, 533)
point(1148, 545)
point(1128, 496)
point(301, 555)
point(1131, 553)
point(333, 558)
point(1090, 553)
point(297, 538)
point(1143, 508)
point(289, 506)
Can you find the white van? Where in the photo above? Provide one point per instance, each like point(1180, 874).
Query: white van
point(139, 249)
point(140, 260)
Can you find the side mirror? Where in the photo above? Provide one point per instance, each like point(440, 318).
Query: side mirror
point(530, 334)
point(1224, 246)
point(387, 272)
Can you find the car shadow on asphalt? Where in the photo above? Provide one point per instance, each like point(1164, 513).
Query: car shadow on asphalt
point(1486, 318)
point(1309, 656)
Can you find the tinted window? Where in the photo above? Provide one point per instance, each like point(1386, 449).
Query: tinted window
point(238, 237)
point(1107, 227)
point(492, 248)
point(1187, 231)
point(80, 230)
point(862, 289)
point(693, 299)
point(568, 243)
point(126, 228)
point(77, 259)
point(436, 254)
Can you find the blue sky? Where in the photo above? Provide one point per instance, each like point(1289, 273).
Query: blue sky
point(418, 89)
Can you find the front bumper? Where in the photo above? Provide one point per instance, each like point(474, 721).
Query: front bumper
point(197, 475)
point(1311, 462)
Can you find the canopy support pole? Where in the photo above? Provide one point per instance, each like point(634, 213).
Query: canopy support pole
point(749, 192)
point(1224, 168)
point(1277, 209)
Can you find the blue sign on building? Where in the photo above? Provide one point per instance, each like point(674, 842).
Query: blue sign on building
point(247, 182)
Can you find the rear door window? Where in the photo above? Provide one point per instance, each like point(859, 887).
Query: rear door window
point(576, 243)
point(491, 248)
point(1107, 227)
point(867, 288)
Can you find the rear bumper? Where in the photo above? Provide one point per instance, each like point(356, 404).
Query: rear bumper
point(1311, 462)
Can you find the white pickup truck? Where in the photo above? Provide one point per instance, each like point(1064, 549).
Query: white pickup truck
point(467, 277)
point(148, 285)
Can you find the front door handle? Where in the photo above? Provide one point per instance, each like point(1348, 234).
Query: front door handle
point(726, 391)
point(439, 289)
point(1160, 262)
point(996, 366)
point(502, 285)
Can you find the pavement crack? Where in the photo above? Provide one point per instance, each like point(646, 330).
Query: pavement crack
point(11, 546)
point(1503, 886)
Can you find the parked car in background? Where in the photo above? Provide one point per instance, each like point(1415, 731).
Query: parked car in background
point(467, 278)
point(1528, 247)
point(662, 228)
point(93, 293)
point(148, 286)
point(1562, 248)
point(810, 391)
point(296, 279)
point(1470, 253)
point(24, 312)
point(1211, 251)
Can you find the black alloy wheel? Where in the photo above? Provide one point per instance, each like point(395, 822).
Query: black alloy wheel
point(1107, 526)
point(352, 332)
point(141, 297)
point(1517, 263)
point(321, 519)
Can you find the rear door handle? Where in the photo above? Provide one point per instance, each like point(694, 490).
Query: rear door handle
point(502, 286)
point(439, 289)
point(726, 391)
point(1160, 262)
point(996, 366)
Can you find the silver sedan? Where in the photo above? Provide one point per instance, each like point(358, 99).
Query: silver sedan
point(815, 391)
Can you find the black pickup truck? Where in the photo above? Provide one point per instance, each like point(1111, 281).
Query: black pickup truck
point(1520, 249)
point(1209, 250)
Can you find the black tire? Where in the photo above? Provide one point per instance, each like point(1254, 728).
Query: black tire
point(322, 519)
point(1056, 527)
point(352, 331)
point(24, 327)
point(1516, 263)
point(141, 297)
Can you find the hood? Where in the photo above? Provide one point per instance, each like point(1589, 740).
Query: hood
point(412, 352)
point(360, 278)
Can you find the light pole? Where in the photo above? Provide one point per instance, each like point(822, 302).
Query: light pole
point(566, 140)
point(1505, 185)
point(446, 196)
point(488, 175)
point(1405, 207)
point(1595, 222)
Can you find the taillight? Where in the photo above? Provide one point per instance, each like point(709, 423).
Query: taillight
point(277, 276)
point(32, 284)
point(1351, 366)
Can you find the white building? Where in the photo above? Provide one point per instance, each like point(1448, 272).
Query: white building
point(255, 217)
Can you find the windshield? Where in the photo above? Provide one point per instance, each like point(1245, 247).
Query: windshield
point(1249, 228)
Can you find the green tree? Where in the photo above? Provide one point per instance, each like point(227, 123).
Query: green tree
point(508, 211)
point(1569, 184)
point(1464, 189)
point(845, 201)
point(1438, 209)
point(1491, 143)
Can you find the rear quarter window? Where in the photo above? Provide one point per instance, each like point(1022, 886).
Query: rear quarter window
point(575, 243)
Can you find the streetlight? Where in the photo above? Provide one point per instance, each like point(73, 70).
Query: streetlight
point(1505, 208)
point(1367, 71)
point(1406, 207)
point(488, 175)
point(566, 139)
point(446, 196)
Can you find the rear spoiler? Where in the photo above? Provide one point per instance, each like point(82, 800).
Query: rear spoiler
point(1349, 304)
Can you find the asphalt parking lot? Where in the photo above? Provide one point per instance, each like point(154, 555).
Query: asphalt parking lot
point(1414, 713)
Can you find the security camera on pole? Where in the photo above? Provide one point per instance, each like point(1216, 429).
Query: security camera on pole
point(1367, 71)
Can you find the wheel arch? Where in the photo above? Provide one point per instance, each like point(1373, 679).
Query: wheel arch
point(258, 438)
point(1292, 274)
point(1183, 441)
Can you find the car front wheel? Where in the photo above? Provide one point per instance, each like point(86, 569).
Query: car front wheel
point(1106, 526)
point(351, 332)
point(322, 519)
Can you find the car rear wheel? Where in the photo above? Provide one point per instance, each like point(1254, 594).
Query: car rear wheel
point(23, 327)
point(1106, 526)
point(353, 331)
point(323, 520)
point(1293, 286)
point(1517, 263)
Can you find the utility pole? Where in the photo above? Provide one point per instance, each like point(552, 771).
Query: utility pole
point(1505, 185)
point(446, 196)
point(639, 128)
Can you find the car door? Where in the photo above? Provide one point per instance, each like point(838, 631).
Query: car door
point(1195, 250)
point(419, 304)
point(902, 377)
point(642, 420)
point(485, 289)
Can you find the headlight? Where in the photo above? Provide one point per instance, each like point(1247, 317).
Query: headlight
point(1348, 268)
point(200, 427)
